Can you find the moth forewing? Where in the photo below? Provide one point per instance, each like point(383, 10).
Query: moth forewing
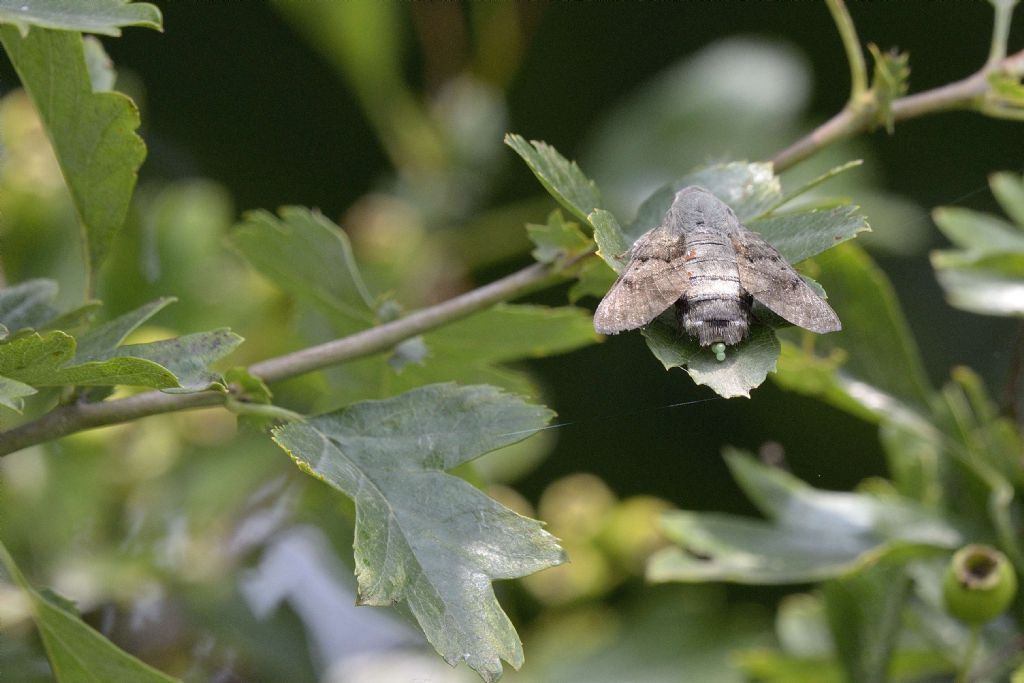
point(654, 279)
point(767, 277)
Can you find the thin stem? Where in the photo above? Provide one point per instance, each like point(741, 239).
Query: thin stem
point(854, 53)
point(966, 93)
point(1000, 29)
point(69, 419)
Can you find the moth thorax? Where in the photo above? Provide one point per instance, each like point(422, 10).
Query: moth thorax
point(725, 320)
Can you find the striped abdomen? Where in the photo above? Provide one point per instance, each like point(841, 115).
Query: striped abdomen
point(714, 307)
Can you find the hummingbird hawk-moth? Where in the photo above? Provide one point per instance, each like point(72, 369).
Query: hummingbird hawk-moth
point(713, 269)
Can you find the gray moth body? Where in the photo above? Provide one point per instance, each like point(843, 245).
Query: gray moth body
point(704, 262)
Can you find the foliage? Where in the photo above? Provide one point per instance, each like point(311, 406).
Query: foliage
point(385, 371)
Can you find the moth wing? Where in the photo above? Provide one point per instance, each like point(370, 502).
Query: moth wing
point(767, 277)
point(653, 280)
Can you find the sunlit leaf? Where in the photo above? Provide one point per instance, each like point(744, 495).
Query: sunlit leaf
point(106, 17)
point(101, 340)
point(1008, 188)
point(424, 537)
point(77, 653)
point(93, 134)
point(978, 231)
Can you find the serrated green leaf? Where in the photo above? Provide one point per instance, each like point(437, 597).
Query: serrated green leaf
point(41, 360)
point(745, 367)
point(88, 16)
point(188, 357)
point(28, 304)
point(812, 534)
point(424, 537)
point(562, 178)
point(12, 392)
point(892, 71)
point(810, 185)
point(612, 242)
point(92, 134)
point(99, 342)
point(557, 239)
point(75, 318)
point(77, 653)
point(594, 278)
point(976, 231)
point(800, 235)
point(308, 256)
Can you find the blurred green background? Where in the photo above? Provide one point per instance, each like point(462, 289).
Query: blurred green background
point(389, 118)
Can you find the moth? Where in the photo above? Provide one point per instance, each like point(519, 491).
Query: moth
point(705, 262)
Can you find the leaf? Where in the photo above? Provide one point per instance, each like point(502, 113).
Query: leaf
point(612, 243)
point(101, 68)
point(864, 612)
point(424, 537)
point(188, 357)
point(990, 285)
point(976, 231)
point(28, 304)
point(892, 71)
point(12, 392)
point(804, 234)
point(745, 366)
point(93, 134)
point(42, 360)
point(562, 179)
point(88, 16)
point(100, 341)
point(557, 239)
point(812, 534)
point(77, 653)
point(308, 256)
point(880, 349)
point(594, 279)
point(1008, 188)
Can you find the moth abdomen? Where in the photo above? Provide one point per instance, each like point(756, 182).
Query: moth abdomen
point(713, 319)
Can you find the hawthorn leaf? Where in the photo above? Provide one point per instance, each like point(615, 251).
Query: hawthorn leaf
point(105, 17)
point(803, 234)
point(595, 278)
point(424, 537)
point(990, 285)
point(12, 392)
point(557, 239)
point(562, 178)
point(308, 256)
point(28, 304)
point(745, 367)
point(811, 534)
point(612, 243)
point(188, 357)
point(42, 360)
point(92, 133)
point(98, 342)
point(77, 653)
point(102, 75)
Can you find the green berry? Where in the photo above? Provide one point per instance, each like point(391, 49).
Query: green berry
point(979, 584)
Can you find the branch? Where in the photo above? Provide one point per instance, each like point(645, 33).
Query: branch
point(856, 118)
point(854, 54)
point(69, 419)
